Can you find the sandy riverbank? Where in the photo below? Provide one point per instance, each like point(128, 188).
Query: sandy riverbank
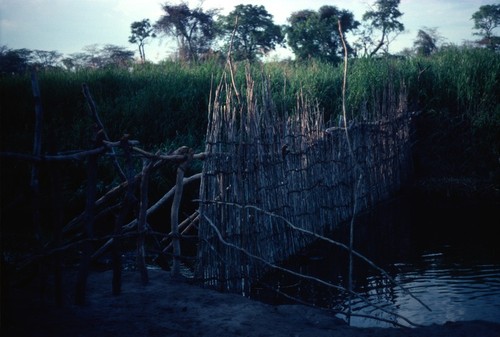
point(167, 307)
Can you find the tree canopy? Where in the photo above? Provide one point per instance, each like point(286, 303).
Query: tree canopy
point(315, 34)
point(384, 17)
point(250, 32)
point(14, 61)
point(95, 56)
point(141, 31)
point(426, 42)
point(194, 29)
point(486, 19)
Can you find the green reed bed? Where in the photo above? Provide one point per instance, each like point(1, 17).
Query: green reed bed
point(319, 82)
point(455, 93)
point(166, 104)
point(458, 94)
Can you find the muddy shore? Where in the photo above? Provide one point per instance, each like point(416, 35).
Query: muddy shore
point(168, 307)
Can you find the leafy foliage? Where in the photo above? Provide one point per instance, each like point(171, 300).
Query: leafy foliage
point(194, 29)
point(486, 19)
point(45, 59)
point(14, 61)
point(315, 34)
point(141, 31)
point(426, 42)
point(249, 32)
point(384, 17)
point(99, 57)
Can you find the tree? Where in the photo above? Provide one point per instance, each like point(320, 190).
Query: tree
point(71, 62)
point(98, 57)
point(77, 61)
point(315, 34)
point(90, 57)
point(141, 31)
point(485, 21)
point(45, 59)
point(384, 17)
point(194, 29)
point(426, 42)
point(250, 32)
point(116, 56)
point(14, 61)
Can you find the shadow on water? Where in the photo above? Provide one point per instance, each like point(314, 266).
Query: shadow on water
point(446, 252)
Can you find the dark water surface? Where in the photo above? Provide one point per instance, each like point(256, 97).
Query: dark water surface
point(445, 252)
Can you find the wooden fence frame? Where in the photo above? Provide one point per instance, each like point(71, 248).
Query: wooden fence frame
point(103, 146)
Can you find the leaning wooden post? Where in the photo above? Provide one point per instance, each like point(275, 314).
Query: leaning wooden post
point(141, 220)
point(57, 219)
point(35, 175)
point(89, 216)
point(127, 203)
point(37, 151)
point(174, 213)
point(97, 120)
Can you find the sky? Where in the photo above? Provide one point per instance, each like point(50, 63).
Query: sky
point(68, 26)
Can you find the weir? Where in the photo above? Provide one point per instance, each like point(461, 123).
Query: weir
point(271, 183)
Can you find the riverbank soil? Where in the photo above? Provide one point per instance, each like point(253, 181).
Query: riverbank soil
point(168, 307)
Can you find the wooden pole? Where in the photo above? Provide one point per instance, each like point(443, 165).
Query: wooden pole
point(131, 225)
point(35, 178)
point(57, 218)
point(141, 220)
point(81, 282)
point(37, 151)
point(174, 214)
point(97, 120)
point(127, 204)
point(184, 226)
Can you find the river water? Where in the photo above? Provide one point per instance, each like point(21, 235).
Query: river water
point(444, 253)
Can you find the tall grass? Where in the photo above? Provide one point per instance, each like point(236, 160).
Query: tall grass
point(166, 105)
point(458, 92)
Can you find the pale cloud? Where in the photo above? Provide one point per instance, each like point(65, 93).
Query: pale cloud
point(8, 24)
point(134, 8)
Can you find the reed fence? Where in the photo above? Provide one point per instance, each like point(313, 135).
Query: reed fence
point(272, 183)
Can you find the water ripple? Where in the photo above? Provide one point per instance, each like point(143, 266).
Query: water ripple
point(455, 293)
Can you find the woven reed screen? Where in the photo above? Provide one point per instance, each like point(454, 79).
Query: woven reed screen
point(263, 168)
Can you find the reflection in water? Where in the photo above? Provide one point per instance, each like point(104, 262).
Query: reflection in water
point(445, 254)
point(454, 293)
